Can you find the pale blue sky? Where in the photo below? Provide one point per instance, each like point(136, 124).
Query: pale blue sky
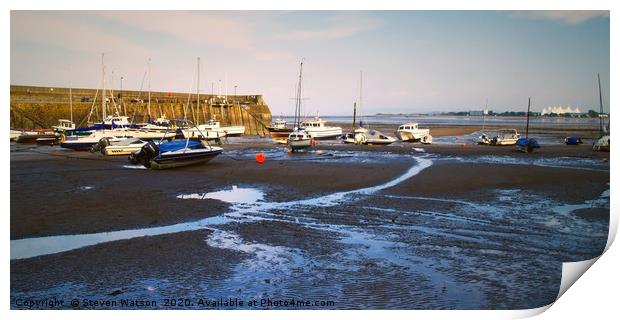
point(413, 61)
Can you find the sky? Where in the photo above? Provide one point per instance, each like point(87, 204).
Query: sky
point(411, 61)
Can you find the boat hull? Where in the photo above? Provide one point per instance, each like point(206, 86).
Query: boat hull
point(411, 135)
point(32, 138)
point(297, 145)
point(324, 134)
point(233, 131)
point(120, 151)
point(78, 145)
point(166, 162)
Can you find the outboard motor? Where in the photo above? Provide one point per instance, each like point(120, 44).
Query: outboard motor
point(145, 155)
point(100, 146)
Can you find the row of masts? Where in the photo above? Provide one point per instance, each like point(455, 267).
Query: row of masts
point(104, 101)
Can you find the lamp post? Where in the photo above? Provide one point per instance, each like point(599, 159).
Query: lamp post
point(235, 102)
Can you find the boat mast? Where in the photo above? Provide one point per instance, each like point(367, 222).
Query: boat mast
point(354, 110)
point(298, 102)
point(148, 105)
point(484, 113)
point(360, 102)
point(600, 114)
point(103, 105)
point(70, 97)
point(198, 88)
point(527, 125)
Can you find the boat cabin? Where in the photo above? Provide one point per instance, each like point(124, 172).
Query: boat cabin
point(64, 124)
point(279, 123)
point(316, 123)
point(409, 126)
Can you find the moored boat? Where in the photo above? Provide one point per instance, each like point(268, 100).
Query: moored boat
point(176, 153)
point(85, 143)
point(505, 137)
point(527, 144)
point(374, 137)
point(118, 147)
point(411, 132)
point(317, 129)
point(299, 140)
point(279, 131)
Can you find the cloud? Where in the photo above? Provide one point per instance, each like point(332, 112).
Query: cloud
point(343, 24)
point(572, 17)
point(56, 31)
point(212, 28)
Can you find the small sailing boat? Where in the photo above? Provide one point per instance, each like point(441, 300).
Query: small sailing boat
point(176, 153)
point(527, 144)
point(602, 144)
point(484, 138)
point(299, 139)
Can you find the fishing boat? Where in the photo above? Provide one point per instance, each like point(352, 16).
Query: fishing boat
point(299, 139)
point(64, 125)
point(118, 147)
point(176, 153)
point(527, 144)
point(602, 143)
point(278, 131)
point(317, 129)
point(505, 137)
point(411, 132)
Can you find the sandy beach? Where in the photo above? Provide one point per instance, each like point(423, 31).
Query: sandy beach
point(411, 226)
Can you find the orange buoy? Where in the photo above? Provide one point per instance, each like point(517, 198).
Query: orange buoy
point(260, 158)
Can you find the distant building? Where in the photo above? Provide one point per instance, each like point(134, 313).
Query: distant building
point(560, 110)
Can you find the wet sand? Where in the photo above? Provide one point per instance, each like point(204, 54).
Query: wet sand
point(462, 243)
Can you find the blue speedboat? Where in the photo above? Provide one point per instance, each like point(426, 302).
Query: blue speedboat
point(572, 141)
point(527, 144)
point(176, 153)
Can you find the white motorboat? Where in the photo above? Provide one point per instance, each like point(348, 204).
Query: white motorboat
point(410, 132)
point(152, 132)
point(229, 131)
point(83, 143)
point(375, 137)
point(317, 129)
point(118, 147)
point(505, 137)
point(204, 131)
point(358, 136)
